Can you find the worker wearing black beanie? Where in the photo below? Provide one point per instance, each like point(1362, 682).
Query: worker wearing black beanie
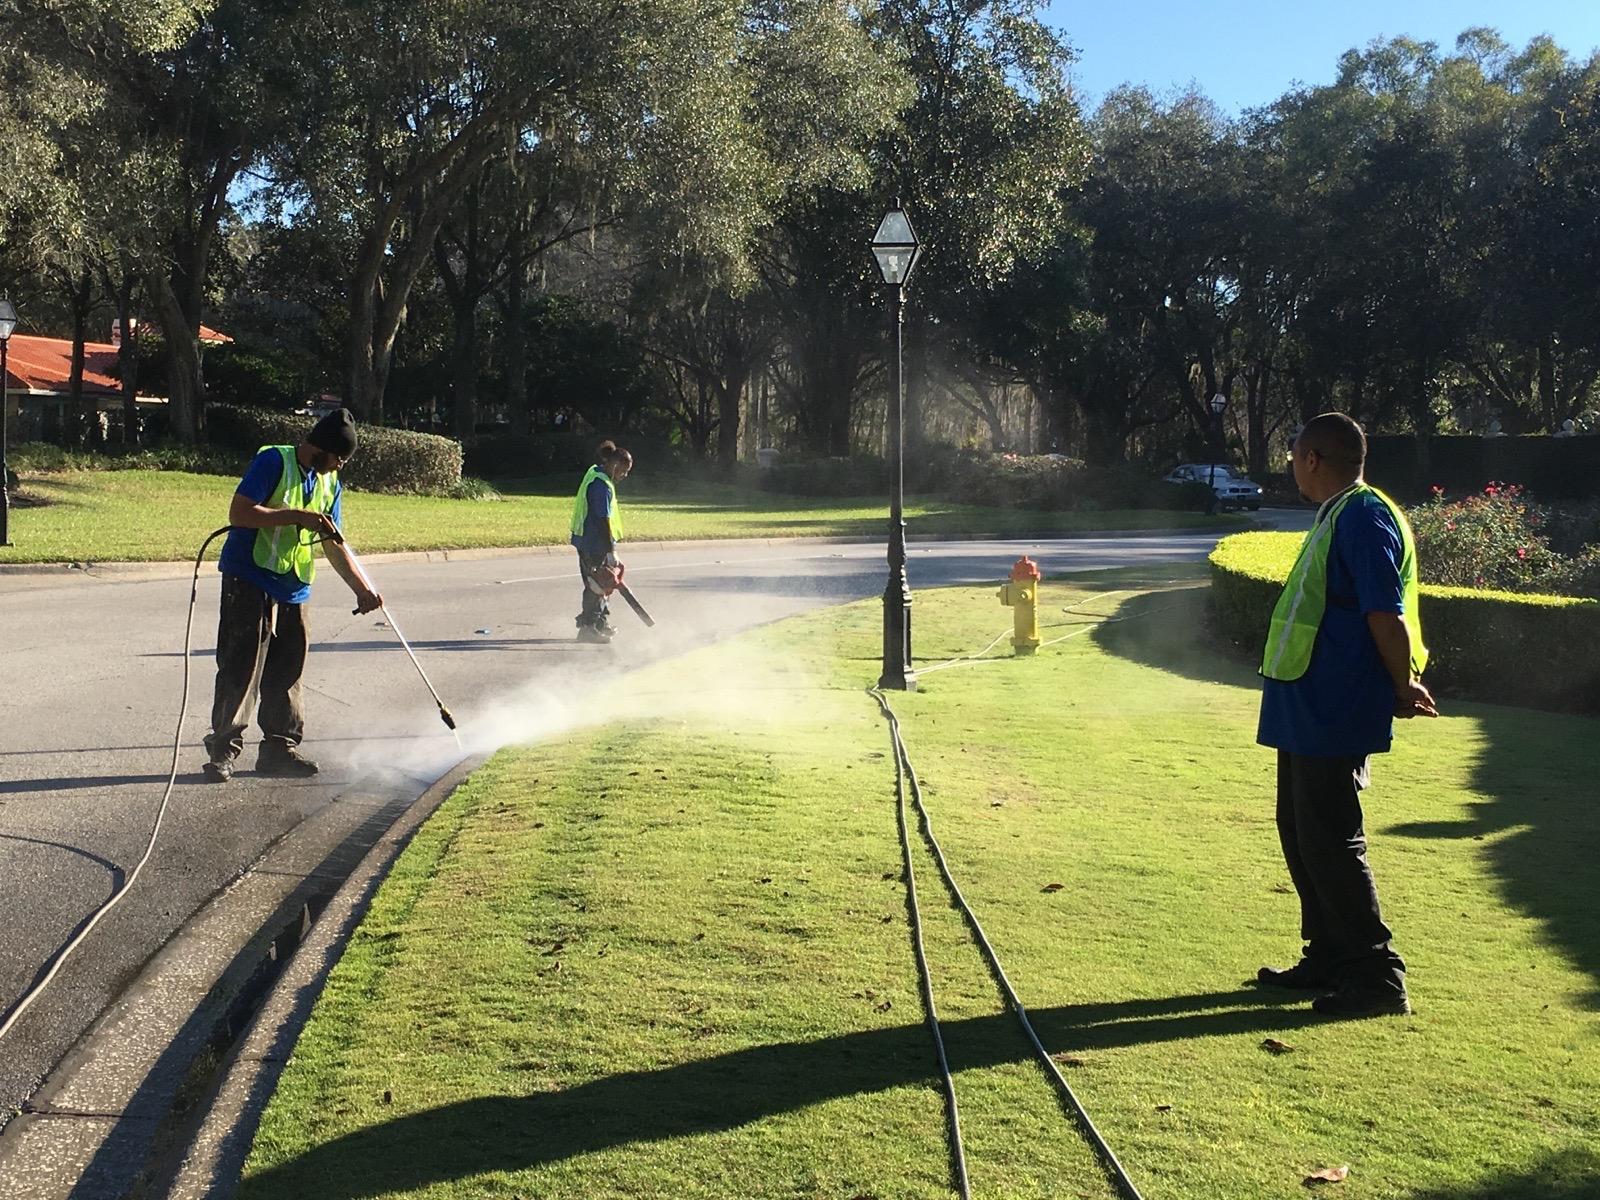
point(335, 433)
point(287, 504)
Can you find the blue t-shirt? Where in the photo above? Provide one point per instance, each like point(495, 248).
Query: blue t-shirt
point(595, 540)
point(238, 551)
point(1344, 703)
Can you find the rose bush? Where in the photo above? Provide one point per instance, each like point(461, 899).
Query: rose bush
point(1503, 540)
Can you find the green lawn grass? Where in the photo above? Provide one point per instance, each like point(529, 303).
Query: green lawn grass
point(107, 516)
point(669, 956)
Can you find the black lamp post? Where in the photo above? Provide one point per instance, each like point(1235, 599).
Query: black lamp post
point(896, 248)
point(1219, 404)
point(8, 322)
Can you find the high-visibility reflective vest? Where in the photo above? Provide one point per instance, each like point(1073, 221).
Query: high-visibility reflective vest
point(580, 506)
point(1298, 613)
point(285, 548)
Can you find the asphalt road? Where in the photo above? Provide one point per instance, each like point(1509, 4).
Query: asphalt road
point(92, 670)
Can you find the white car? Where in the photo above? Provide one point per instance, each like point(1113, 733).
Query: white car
point(1232, 489)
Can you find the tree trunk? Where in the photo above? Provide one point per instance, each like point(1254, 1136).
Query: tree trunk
point(1549, 403)
point(464, 368)
point(128, 359)
point(185, 386)
point(514, 333)
point(730, 407)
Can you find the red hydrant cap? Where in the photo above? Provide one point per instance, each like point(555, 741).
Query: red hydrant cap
point(1025, 569)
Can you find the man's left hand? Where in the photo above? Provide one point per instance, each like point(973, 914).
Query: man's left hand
point(1414, 700)
point(368, 601)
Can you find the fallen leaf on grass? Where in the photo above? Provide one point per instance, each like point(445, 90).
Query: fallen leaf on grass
point(1283, 889)
point(1052, 887)
point(885, 1006)
point(1326, 1175)
point(1068, 1060)
point(555, 948)
point(699, 937)
point(1163, 1108)
point(1275, 1046)
point(388, 1096)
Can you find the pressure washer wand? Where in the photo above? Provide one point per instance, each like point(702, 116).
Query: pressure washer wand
point(444, 713)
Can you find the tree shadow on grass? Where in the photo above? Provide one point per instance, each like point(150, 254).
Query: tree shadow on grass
point(510, 1133)
point(1537, 768)
point(1568, 1175)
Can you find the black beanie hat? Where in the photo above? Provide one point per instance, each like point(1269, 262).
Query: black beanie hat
point(335, 433)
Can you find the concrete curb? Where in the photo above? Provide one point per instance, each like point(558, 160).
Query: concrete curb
point(71, 572)
point(218, 1139)
point(113, 1113)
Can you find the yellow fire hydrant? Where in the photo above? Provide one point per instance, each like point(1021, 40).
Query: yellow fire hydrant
point(1021, 592)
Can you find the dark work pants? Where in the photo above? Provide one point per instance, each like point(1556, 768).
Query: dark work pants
point(246, 628)
point(595, 608)
point(1325, 847)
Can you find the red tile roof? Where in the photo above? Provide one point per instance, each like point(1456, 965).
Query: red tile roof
point(42, 364)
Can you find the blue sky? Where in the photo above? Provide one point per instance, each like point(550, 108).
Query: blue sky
point(1247, 52)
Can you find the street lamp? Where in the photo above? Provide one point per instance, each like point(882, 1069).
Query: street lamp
point(8, 322)
point(896, 248)
point(1219, 404)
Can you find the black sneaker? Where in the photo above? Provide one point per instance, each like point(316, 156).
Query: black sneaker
point(218, 770)
point(284, 762)
point(1304, 976)
point(592, 634)
point(1351, 1003)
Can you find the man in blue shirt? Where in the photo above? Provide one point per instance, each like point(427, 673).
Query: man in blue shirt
point(595, 527)
point(262, 637)
point(1327, 722)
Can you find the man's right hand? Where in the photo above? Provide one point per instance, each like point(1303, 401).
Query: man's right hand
point(318, 523)
point(1414, 700)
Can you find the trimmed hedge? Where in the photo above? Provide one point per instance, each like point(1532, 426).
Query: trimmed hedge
point(1538, 651)
point(387, 460)
point(44, 457)
point(523, 455)
point(1037, 482)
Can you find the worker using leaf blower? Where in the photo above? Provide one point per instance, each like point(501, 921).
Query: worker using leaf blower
point(287, 502)
point(596, 530)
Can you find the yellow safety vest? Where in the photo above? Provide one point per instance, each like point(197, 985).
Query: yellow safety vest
point(580, 506)
point(1298, 614)
point(285, 548)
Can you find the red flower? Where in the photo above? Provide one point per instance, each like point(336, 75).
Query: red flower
point(1436, 490)
point(1522, 552)
point(1490, 489)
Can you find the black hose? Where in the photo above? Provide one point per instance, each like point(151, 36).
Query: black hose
point(958, 1157)
point(1114, 1169)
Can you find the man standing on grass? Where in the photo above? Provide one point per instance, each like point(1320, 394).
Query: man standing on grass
point(1343, 658)
point(287, 502)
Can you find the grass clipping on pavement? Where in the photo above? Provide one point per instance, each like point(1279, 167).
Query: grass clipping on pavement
point(670, 957)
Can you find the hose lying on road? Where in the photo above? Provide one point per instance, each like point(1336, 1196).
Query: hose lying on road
point(166, 796)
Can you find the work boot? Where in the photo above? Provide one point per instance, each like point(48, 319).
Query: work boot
point(283, 762)
point(1365, 1001)
point(1304, 976)
point(218, 770)
point(593, 634)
